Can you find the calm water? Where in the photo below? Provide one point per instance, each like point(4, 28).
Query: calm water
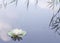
point(35, 21)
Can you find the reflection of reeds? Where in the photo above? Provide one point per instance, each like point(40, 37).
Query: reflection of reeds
point(51, 4)
point(54, 24)
point(12, 1)
point(54, 16)
point(36, 2)
point(16, 1)
point(27, 3)
point(4, 3)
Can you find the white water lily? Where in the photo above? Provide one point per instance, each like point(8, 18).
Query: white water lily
point(18, 32)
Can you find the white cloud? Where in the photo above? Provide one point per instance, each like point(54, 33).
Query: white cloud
point(42, 4)
point(4, 28)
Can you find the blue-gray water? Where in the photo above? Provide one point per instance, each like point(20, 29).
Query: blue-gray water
point(35, 21)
